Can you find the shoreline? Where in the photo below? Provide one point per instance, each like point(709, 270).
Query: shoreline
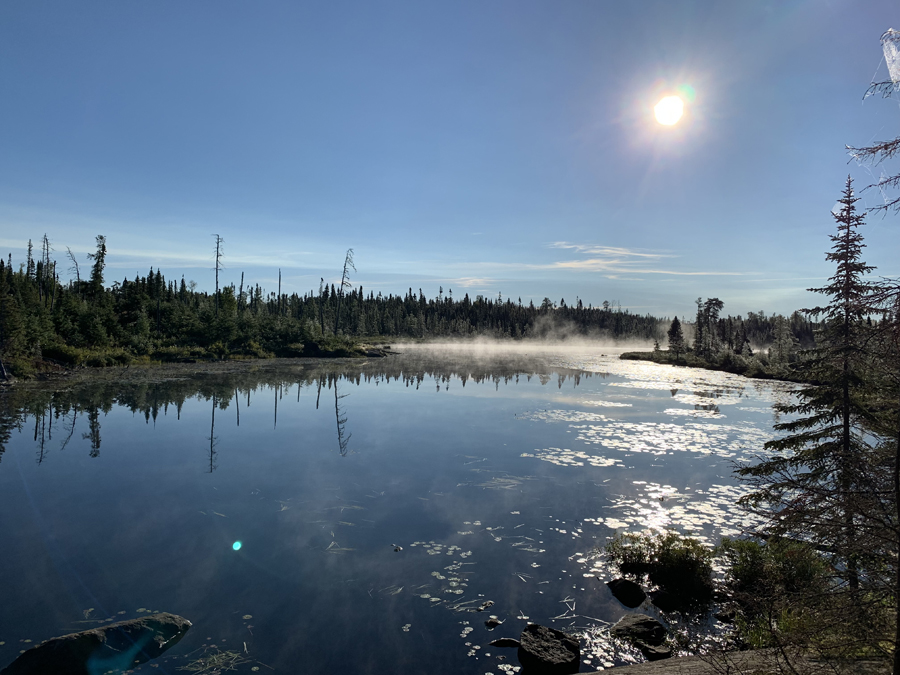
point(758, 662)
point(755, 374)
point(147, 371)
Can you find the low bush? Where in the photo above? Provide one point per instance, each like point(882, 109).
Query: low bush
point(332, 346)
point(65, 354)
point(681, 566)
point(781, 589)
point(776, 567)
point(177, 353)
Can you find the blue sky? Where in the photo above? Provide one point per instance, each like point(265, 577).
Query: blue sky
point(484, 147)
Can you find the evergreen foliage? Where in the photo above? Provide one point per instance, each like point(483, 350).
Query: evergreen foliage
point(676, 338)
point(832, 479)
point(810, 482)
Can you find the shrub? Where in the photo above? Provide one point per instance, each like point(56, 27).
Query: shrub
point(69, 356)
point(780, 588)
point(679, 565)
point(332, 345)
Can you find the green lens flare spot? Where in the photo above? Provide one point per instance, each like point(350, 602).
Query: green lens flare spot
point(687, 92)
point(236, 546)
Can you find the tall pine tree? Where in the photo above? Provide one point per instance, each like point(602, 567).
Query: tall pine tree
point(817, 483)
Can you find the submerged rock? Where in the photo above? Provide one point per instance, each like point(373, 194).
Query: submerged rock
point(504, 642)
point(492, 623)
point(627, 592)
point(726, 615)
point(547, 651)
point(640, 627)
point(645, 633)
point(655, 653)
point(116, 647)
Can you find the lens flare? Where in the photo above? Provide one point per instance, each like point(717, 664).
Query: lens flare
point(669, 110)
point(236, 546)
point(687, 93)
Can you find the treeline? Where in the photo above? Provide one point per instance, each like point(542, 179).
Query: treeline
point(758, 346)
point(151, 318)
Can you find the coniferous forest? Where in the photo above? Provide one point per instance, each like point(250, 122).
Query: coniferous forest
point(88, 321)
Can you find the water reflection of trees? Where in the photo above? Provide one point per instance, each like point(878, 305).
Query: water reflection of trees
point(341, 419)
point(93, 434)
point(154, 391)
point(212, 438)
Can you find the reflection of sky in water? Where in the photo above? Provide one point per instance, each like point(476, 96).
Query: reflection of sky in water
point(373, 552)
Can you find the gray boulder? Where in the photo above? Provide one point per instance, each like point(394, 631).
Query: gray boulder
point(640, 627)
point(546, 651)
point(655, 653)
point(627, 592)
point(115, 647)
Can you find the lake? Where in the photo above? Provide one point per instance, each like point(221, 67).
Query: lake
point(354, 515)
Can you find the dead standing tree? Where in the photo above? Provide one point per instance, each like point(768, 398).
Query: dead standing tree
point(219, 254)
point(882, 151)
point(345, 283)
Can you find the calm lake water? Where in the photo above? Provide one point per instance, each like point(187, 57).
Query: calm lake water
point(266, 504)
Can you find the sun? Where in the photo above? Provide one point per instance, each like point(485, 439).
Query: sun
point(669, 110)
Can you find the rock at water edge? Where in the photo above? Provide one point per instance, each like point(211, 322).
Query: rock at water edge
point(546, 651)
point(640, 627)
point(627, 592)
point(646, 633)
point(117, 647)
point(653, 653)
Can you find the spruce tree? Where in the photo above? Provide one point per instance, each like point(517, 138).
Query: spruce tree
point(816, 484)
point(676, 338)
point(96, 281)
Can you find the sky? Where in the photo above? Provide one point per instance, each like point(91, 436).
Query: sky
point(505, 148)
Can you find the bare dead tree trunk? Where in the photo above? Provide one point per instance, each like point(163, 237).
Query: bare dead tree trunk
point(345, 283)
point(219, 242)
point(322, 304)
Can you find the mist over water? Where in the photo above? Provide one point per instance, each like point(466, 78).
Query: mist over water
point(482, 347)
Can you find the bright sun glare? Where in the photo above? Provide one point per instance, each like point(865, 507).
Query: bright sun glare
point(669, 110)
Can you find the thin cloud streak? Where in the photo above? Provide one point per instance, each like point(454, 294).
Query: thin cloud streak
point(623, 266)
point(470, 282)
point(608, 250)
point(617, 260)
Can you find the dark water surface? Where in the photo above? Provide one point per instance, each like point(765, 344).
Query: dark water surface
point(496, 476)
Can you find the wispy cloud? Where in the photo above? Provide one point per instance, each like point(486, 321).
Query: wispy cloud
point(472, 282)
point(610, 251)
point(613, 260)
